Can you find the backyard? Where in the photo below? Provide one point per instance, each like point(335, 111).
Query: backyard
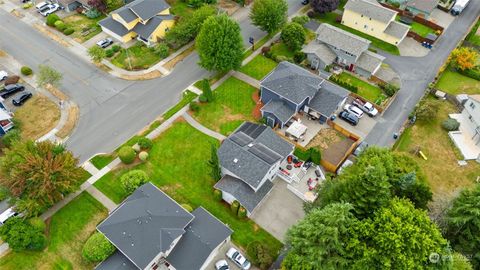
point(232, 105)
point(67, 231)
point(259, 67)
point(365, 89)
point(180, 8)
point(136, 57)
point(80, 23)
point(455, 83)
point(418, 28)
point(178, 165)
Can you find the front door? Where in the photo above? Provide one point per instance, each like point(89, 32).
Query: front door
point(270, 122)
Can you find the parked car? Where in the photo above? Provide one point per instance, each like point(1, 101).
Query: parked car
point(42, 5)
point(24, 96)
point(7, 214)
point(11, 89)
point(52, 8)
point(349, 117)
point(367, 107)
point(238, 259)
point(345, 164)
point(360, 148)
point(104, 43)
point(222, 265)
point(353, 110)
point(3, 75)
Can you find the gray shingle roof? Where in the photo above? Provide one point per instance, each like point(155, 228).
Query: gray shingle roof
point(116, 261)
point(126, 13)
point(242, 192)
point(147, 9)
point(114, 26)
point(146, 30)
point(251, 162)
point(370, 61)
point(424, 5)
point(397, 29)
point(341, 39)
point(371, 9)
point(292, 82)
point(145, 224)
point(322, 51)
point(328, 98)
point(202, 236)
point(279, 109)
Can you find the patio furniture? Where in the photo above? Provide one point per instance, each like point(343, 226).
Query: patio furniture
point(296, 129)
point(289, 167)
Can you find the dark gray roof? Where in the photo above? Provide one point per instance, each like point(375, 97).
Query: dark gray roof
point(341, 39)
point(145, 224)
point(116, 261)
point(126, 13)
point(328, 98)
point(321, 50)
point(145, 30)
point(423, 5)
point(114, 26)
point(370, 61)
point(202, 236)
point(242, 192)
point(371, 9)
point(251, 161)
point(279, 109)
point(397, 29)
point(147, 9)
point(292, 82)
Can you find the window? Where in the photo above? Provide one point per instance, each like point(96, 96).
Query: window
point(365, 26)
point(370, 19)
point(470, 118)
point(472, 105)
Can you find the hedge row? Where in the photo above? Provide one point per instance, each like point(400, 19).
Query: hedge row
point(352, 88)
point(473, 73)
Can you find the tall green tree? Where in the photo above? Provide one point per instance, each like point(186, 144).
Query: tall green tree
point(39, 174)
point(48, 76)
point(293, 35)
point(269, 15)
point(96, 54)
point(219, 44)
point(214, 163)
point(207, 90)
point(21, 235)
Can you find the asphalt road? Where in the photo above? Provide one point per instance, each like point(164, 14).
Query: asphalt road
point(416, 73)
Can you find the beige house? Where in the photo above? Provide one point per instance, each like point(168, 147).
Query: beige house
point(145, 20)
point(371, 18)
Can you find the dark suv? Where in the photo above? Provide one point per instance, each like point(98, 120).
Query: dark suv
point(349, 117)
point(11, 89)
point(24, 96)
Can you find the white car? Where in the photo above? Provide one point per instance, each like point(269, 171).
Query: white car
point(41, 5)
point(238, 259)
point(7, 214)
point(49, 9)
point(354, 110)
point(104, 43)
point(221, 265)
point(3, 75)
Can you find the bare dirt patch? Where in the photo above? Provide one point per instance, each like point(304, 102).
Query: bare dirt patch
point(56, 92)
point(37, 117)
point(73, 115)
point(325, 138)
point(141, 77)
point(228, 6)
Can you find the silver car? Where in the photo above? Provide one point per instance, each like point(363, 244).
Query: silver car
point(354, 110)
point(238, 259)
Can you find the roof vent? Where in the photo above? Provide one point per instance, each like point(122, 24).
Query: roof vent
point(250, 144)
point(235, 160)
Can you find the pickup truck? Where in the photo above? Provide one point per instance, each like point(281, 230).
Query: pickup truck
point(367, 107)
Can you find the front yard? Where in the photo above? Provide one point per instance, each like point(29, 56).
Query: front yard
point(232, 105)
point(84, 27)
point(455, 83)
point(67, 231)
point(368, 91)
point(259, 67)
point(137, 57)
point(177, 164)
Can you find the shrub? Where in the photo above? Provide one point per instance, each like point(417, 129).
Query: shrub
point(68, 31)
point(11, 137)
point(93, 13)
point(60, 25)
point(259, 254)
point(21, 235)
point(27, 5)
point(133, 179)
point(234, 207)
point(301, 153)
point(194, 107)
point(265, 50)
point(136, 148)
point(145, 143)
point(293, 35)
point(301, 19)
point(143, 156)
point(389, 89)
point(126, 154)
point(51, 19)
point(202, 98)
point(311, 14)
point(38, 224)
point(187, 207)
point(4, 193)
point(38, 242)
point(242, 212)
point(426, 110)
point(62, 264)
point(116, 48)
point(344, 84)
point(162, 50)
point(26, 70)
point(450, 124)
point(315, 155)
point(473, 73)
point(217, 194)
point(97, 248)
point(11, 80)
point(299, 57)
point(109, 53)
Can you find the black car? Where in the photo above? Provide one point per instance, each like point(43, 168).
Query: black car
point(349, 117)
point(18, 101)
point(11, 89)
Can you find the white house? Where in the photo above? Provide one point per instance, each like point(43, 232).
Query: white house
point(467, 138)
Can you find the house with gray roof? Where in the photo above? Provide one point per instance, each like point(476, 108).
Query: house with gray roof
point(290, 89)
point(150, 231)
point(249, 160)
point(337, 46)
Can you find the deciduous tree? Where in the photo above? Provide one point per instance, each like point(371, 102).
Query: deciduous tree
point(324, 6)
point(21, 235)
point(293, 35)
point(269, 15)
point(98, 4)
point(464, 58)
point(96, 53)
point(48, 76)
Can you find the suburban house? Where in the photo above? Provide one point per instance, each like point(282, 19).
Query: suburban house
point(151, 231)
point(467, 138)
point(145, 20)
point(72, 5)
point(249, 160)
point(422, 8)
point(290, 89)
point(336, 46)
point(6, 119)
point(371, 18)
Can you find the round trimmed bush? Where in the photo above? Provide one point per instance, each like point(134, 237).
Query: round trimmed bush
point(38, 224)
point(38, 242)
point(187, 207)
point(133, 179)
point(26, 70)
point(97, 248)
point(143, 156)
point(60, 25)
point(116, 48)
point(145, 143)
point(109, 53)
point(68, 31)
point(450, 124)
point(51, 19)
point(217, 194)
point(242, 212)
point(202, 98)
point(234, 207)
point(136, 147)
point(194, 107)
point(127, 154)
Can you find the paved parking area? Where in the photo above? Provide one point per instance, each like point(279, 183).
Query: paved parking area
point(221, 256)
point(442, 18)
point(365, 125)
point(279, 210)
point(8, 101)
point(411, 47)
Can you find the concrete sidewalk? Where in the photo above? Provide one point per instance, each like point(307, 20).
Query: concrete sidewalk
point(202, 128)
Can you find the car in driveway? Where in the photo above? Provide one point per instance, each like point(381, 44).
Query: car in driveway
point(3, 75)
point(353, 110)
point(367, 107)
point(7, 214)
point(49, 9)
point(349, 117)
point(41, 5)
point(24, 96)
point(237, 258)
point(221, 265)
point(104, 43)
point(11, 89)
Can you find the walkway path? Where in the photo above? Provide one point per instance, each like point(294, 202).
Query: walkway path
point(241, 76)
point(97, 194)
point(201, 128)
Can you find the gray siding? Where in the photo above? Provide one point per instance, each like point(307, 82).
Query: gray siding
point(277, 121)
point(312, 58)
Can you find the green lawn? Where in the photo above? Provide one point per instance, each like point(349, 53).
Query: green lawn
point(180, 8)
point(258, 44)
point(178, 165)
point(472, 36)
point(455, 83)
point(330, 18)
point(280, 49)
point(259, 67)
point(365, 89)
point(100, 161)
point(418, 28)
point(110, 185)
point(137, 57)
point(79, 22)
point(232, 105)
point(187, 97)
point(69, 228)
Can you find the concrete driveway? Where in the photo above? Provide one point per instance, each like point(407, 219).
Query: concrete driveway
point(411, 47)
point(280, 210)
point(221, 256)
point(442, 18)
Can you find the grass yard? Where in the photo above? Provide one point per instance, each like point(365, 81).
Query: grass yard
point(80, 22)
point(418, 28)
point(37, 117)
point(180, 8)
point(178, 165)
point(280, 49)
point(100, 161)
point(330, 18)
point(365, 89)
point(232, 105)
point(188, 96)
point(472, 37)
point(259, 67)
point(455, 83)
point(68, 230)
point(445, 176)
point(137, 57)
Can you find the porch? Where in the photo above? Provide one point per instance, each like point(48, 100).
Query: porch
point(312, 129)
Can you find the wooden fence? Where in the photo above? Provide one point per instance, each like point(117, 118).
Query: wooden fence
point(417, 18)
